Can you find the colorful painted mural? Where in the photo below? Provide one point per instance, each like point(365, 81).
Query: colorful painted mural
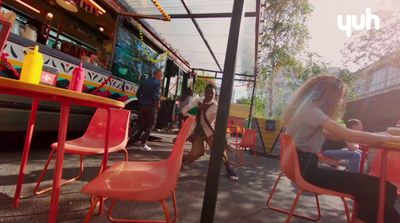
point(133, 57)
point(115, 88)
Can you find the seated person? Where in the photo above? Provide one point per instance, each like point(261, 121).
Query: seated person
point(310, 119)
point(206, 114)
point(347, 151)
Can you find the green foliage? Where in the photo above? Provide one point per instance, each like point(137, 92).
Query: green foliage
point(341, 122)
point(201, 84)
point(349, 78)
point(258, 111)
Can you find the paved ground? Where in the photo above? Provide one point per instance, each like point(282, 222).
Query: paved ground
point(242, 201)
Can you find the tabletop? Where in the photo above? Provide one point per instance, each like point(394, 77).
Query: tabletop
point(391, 146)
point(49, 92)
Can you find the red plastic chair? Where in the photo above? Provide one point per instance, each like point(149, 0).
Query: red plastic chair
point(141, 181)
point(364, 155)
point(392, 167)
point(93, 141)
point(290, 167)
point(236, 126)
point(248, 141)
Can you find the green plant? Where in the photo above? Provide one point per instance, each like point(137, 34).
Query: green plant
point(258, 105)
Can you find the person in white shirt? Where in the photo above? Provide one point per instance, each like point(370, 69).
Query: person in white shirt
point(206, 114)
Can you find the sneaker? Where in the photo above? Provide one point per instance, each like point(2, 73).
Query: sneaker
point(231, 174)
point(146, 147)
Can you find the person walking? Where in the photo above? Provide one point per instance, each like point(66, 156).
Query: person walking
point(148, 96)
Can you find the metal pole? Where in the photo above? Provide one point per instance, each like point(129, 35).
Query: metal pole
point(204, 15)
point(114, 46)
point(211, 191)
point(255, 61)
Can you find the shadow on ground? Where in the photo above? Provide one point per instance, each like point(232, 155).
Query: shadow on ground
point(241, 201)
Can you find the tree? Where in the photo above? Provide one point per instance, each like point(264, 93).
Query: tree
point(285, 34)
point(368, 46)
point(349, 78)
point(258, 106)
point(313, 65)
point(201, 84)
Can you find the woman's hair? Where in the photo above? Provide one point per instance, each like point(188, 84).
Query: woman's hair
point(326, 91)
point(352, 122)
point(211, 86)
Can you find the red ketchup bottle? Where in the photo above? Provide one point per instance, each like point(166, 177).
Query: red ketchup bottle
point(78, 77)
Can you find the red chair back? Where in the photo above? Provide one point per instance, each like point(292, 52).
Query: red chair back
point(119, 126)
point(288, 156)
point(392, 167)
point(290, 166)
point(249, 139)
point(235, 121)
point(174, 160)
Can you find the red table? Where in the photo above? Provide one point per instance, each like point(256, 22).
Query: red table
point(65, 98)
point(386, 147)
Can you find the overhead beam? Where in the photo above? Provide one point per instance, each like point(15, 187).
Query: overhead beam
point(205, 15)
point(214, 71)
point(220, 78)
point(201, 34)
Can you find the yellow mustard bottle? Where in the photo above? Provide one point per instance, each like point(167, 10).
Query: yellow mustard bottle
point(32, 66)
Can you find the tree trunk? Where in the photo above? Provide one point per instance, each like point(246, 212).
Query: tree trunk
point(270, 93)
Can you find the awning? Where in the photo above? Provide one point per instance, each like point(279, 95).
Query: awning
point(213, 19)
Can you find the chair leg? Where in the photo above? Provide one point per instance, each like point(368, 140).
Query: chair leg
point(166, 211)
point(346, 209)
point(273, 191)
point(175, 207)
point(91, 210)
point(355, 211)
point(318, 208)
point(293, 207)
point(126, 154)
point(268, 204)
point(36, 191)
point(110, 211)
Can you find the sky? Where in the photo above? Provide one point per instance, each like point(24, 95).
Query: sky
point(326, 38)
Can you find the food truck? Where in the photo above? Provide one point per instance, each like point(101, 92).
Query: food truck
point(116, 51)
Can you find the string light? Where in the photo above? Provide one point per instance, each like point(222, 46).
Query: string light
point(162, 11)
point(28, 6)
point(101, 10)
point(147, 54)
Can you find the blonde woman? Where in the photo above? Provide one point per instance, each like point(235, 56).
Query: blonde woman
point(310, 119)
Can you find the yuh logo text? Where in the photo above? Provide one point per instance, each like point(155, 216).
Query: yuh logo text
point(354, 22)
